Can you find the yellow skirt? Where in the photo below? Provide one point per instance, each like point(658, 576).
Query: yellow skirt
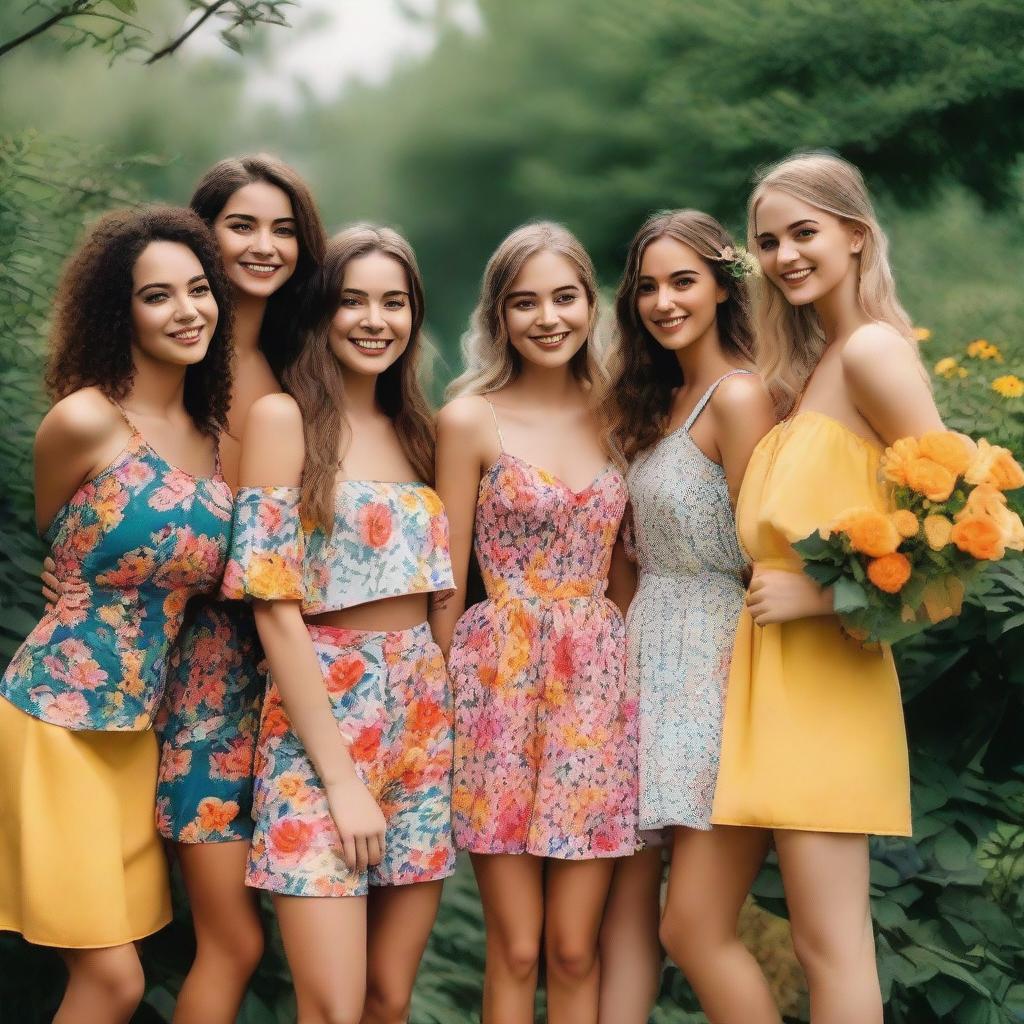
point(81, 863)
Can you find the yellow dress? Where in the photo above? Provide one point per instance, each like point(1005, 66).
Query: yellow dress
point(813, 737)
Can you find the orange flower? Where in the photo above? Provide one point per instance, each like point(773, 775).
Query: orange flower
point(897, 459)
point(291, 837)
point(890, 572)
point(375, 524)
point(871, 532)
point(936, 531)
point(426, 716)
point(996, 466)
point(215, 814)
point(272, 576)
point(344, 674)
point(980, 537)
point(928, 477)
point(905, 522)
point(365, 746)
point(951, 451)
point(988, 502)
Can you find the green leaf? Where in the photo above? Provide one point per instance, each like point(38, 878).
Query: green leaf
point(848, 596)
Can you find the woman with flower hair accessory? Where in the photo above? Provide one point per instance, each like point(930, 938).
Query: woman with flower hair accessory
point(814, 751)
point(340, 541)
point(545, 748)
point(686, 412)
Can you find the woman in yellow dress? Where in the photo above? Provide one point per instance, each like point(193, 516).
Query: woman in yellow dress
point(814, 752)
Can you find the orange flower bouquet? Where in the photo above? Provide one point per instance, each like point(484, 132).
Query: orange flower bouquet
point(894, 573)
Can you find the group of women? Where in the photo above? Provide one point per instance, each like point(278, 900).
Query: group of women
point(262, 543)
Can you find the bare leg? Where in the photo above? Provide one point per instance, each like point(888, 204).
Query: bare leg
point(105, 986)
point(399, 919)
point(512, 891)
point(229, 936)
point(630, 950)
point(826, 877)
point(574, 901)
point(709, 879)
point(325, 943)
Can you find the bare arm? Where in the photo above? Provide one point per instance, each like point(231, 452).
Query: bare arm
point(273, 453)
point(621, 578)
point(887, 384)
point(460, 428)
point(742, 413)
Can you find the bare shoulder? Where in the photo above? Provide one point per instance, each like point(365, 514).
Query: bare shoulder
point(741, 397)
point(273, 446)
point(463, 419)
point(276, 411)
point(875, 350)
point(80, 421)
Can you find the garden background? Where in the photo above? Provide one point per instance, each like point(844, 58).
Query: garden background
point(457, 120)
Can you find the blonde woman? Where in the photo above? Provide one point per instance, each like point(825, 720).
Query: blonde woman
point(545, 752)
point(813, 747)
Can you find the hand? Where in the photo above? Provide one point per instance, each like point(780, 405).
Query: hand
point(360, 823)
point(52, 588)
point(775, 595)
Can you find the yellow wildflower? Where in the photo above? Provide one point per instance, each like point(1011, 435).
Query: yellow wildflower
point(1009, 386)
point(922, 334)
point(936, 531)
point(961, 372)
point(982, 349)
point(946, 367)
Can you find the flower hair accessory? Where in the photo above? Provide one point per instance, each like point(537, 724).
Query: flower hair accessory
point(739, 263)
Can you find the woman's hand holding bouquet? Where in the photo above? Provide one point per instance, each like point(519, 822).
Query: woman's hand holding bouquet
point(894, 573)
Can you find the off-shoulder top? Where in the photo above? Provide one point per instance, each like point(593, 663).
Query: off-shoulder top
point(389, 539)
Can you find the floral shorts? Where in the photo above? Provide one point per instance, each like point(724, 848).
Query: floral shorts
point(207, 725)
point(390, 695)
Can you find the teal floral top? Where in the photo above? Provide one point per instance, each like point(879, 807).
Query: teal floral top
point(131, 546)
point(389, 539)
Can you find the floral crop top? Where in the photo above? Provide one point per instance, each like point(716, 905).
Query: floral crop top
point(389, 539)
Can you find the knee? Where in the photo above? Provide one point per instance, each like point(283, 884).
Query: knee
point(386, 1005)
point(822, 953)
point(237, 950)
point(683, 934)
point(520, 957)
point(571, 958)
point(331, 1013)
point(121, 986)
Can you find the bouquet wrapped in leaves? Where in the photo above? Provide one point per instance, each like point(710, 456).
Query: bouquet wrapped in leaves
point(894, 573)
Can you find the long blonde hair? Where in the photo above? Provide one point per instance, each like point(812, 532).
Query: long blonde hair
point(490, 361)
point(790, 339)
point(315, 380)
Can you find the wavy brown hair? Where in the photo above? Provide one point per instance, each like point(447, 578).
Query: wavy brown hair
point(280, 330)
point(644, 375)
point(92, 334)
point(315, 379)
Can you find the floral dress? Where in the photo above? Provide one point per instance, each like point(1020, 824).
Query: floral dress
point(545, 722)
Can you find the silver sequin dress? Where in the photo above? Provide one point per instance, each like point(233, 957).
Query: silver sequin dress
point(682, 622)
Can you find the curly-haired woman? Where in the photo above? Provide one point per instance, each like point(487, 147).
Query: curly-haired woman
point(271, 240)
point(130, 495)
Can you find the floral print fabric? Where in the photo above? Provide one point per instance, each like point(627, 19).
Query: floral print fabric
point(545, 724)
point(389, 539)
point(131, 546)
point(208, 724)
point(389, 693)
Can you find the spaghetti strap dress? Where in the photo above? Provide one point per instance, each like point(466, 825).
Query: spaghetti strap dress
point(682, 621)
point(545, 721)
point(813, 737)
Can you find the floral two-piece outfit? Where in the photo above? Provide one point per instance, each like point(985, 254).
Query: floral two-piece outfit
point(388, 690)
point(545, 721)
point(81, 864)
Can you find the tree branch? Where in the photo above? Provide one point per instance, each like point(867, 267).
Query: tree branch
point(208, 12)
point(67, 11)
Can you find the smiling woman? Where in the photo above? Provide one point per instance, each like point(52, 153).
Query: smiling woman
point(129, 491)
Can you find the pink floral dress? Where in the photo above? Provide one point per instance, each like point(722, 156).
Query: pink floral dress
point(545, 726)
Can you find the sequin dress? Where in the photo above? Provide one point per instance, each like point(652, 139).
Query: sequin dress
point(682, 621)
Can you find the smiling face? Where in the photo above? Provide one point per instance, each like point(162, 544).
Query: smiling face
point(372, 324)
point(258, 240)
point(677, 295)
point(547, 310)
point(174, 313)
point(804, 251)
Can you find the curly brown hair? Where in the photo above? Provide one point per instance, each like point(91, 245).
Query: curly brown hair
point(645, 375)
point(280, 332)
point(91, 338)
